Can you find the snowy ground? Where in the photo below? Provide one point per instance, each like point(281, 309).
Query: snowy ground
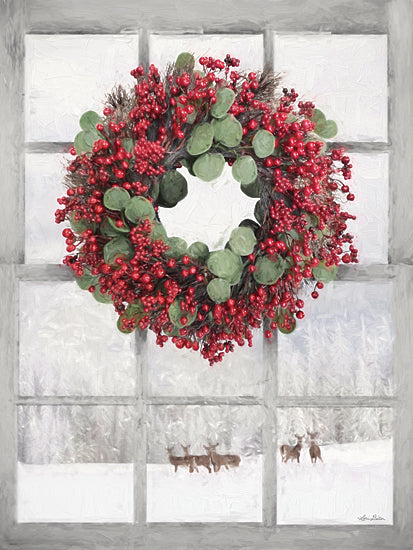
point(233, 495)
point(355, 481)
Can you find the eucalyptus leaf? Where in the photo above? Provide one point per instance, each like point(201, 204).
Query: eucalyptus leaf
point(100, 297)
point(79, 226)
point(158, 232)
point(138, 208)
point(263, 143)
point(209, 166)
point(123, 230)
point(242, 241)
point(201, 139)
point(244, 170)
point(267, 272)
point(177, 247)
point(118, 247)
point(116, 198)
point(89, 120)
point(323, 273)
point(175, 315)
point(225, 98)
point(225, 264)
point(87, 280)
point(199, 251)
point(252, 190)
point(185, 62)
point(250, 223)
point(173, 188)
point(219, 290)
point(259, 212)
point(228, 131)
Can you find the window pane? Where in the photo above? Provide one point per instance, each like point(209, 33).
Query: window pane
point(185, 372)
point(75, 464)
point(371, 186)
point(164, 49)
point(69, 343)
point(225, 495)
point(344, 344)
point(344, 75)
point(44, 175)
point(67, 75)
point(354, 482)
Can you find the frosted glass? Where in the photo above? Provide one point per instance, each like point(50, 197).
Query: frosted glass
point(66, 75)
point(370, 184)
point(344, 75)
point(233, 494)
point(164, 49)
point(354, 483)
point(210, 211)
point(344, 344)
point(44, 175)
point(185, 372)
point(71, 434)
point(69, 343)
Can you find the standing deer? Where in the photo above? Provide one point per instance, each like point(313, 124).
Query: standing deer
point(291, 452)
point(184, 461)
point(221, 460)
point(198, 460)
point(314, 449)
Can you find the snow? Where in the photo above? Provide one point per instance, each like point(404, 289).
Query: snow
point(75, 493)
point(233, 495)
point(355, 481)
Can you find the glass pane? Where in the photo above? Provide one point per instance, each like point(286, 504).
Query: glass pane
point(44, 184)
point(352, 482)
point(69, 343)
point(371, 186)
point(344, 344)
point(185, 372)
point(67, 75)
point(164, 49)
point(231, 491)
point(75, 464)
point(344, 75)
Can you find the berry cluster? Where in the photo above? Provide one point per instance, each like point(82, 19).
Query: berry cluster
point(118, 248)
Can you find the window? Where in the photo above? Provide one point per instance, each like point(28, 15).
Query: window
point(84, 429)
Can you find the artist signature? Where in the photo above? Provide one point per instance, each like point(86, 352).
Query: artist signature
point(374, 517)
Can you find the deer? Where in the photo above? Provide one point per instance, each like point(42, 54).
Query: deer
point(184, 461)
point(292, 452)
point(221, 460)
point(314, 449)
point(198, 460)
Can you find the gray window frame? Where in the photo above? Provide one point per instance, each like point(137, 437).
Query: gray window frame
point(391, 17)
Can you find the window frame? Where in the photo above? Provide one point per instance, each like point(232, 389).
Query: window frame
point(391, 17)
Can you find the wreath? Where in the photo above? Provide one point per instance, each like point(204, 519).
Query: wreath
point(126, 169)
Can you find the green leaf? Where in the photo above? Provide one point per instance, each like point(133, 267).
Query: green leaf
point(124, 230)
point(219, 290)
point(201, 139)
point(199, 251)
point(259, 212)
point(185, 62)
point(102, 298)
point(242, 241)
point(252, 190)
point(250, 223)
point(118, 247)
point(175, 315)
point(133, 311)
point(89, 120)
point(323, 273)
point(108, 229)
point(225, 98)
point(127, 144)
point(267, 272)
point(225, 264)
point(87, 280)
point(173, 188)
point(154, 190)
point(244, 170)
point(116, 198)
point(85, 140)
point(79, 226)
point(318, 117)
point(209, 166)
point(263, 143)
point(177, 247)
point(227, 131)
point(324, 128)
point(139, 207)
point(158, 232)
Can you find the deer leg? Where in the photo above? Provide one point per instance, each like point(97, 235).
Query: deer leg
point(226, 466)
point(176, 467)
